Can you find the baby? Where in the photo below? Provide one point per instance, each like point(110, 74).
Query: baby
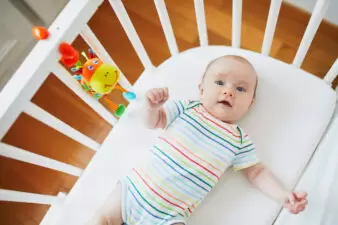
point(201, 140)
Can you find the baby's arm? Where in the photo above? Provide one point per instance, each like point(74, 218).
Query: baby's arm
point(264, 180)
point(155, 115)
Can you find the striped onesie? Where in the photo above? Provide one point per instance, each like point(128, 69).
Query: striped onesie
point(186, 162)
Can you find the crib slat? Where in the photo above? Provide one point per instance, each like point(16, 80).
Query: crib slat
point(88, 35)
point(236, 23)
point(271, 26)
point(71, 83)
point(48, 119)
point(128, 27)
point(166, 25)
point(332, 73)
point(201, 22)
point(30, 157)
point(19, 196)
point(311, 29)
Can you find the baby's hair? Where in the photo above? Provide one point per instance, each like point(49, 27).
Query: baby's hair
point(234, 57)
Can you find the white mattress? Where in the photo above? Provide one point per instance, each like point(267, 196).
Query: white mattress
point(291, 112)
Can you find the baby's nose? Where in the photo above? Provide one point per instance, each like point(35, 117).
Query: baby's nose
point(229, 92)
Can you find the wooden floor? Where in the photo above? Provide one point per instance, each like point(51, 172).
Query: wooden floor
point(27, 133)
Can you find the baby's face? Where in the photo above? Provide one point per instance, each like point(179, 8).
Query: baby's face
point(227, 91)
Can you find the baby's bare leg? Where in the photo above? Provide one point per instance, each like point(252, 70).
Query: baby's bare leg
point(110, 212)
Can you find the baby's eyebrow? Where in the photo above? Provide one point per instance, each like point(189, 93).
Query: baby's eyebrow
point(220, 75)
point(242, 82)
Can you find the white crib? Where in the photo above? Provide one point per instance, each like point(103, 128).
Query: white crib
point(295, 110)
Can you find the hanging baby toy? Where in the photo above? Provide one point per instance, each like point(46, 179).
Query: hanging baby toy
point(96, 78)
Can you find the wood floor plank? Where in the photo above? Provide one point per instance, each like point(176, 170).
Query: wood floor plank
point(26, 177)
point(13, 213)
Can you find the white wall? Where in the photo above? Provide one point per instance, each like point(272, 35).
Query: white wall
point(308, 5)
point(47, 9)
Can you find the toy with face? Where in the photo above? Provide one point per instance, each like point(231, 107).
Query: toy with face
point(96, 78)
point(101, 77)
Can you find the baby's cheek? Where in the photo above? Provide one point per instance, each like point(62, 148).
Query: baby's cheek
point(242, 107)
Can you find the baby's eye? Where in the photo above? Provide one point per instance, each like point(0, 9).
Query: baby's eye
point(95, 61)
point(219, 82)
point(240, 89)
point(90, 67)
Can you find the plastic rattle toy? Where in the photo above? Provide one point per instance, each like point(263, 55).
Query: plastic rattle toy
point(40, 33)
point(96, 78)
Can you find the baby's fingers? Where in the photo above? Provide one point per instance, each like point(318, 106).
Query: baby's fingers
point(299, 208)
point(300, 195)
point(151, 96)
point(304, 201)
point(165, 94)
point(160, 95)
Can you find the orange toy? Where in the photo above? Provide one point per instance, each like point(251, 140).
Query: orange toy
point(90, 67)
point(40, 33)
point(69, 56)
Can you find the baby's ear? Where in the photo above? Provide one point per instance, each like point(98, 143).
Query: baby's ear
point(200, 86)
point(252, 102)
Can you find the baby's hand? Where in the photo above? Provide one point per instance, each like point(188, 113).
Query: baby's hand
point(296, 202)
point(157, 97)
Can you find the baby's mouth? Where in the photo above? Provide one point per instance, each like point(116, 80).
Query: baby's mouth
point(225, 102)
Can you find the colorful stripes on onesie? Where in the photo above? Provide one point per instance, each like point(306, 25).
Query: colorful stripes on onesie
point(187, 161)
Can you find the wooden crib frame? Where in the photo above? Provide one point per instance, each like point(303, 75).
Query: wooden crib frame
point(71, 22)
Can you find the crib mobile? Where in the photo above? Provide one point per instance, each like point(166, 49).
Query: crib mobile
point(95, 77)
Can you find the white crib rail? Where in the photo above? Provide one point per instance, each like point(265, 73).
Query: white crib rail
point(201, 22)
point(315, 20)
point(18, 196)
point(236, 23)
point(167, 28)
point(30, 157)
point(128, 27)
point(271, 26)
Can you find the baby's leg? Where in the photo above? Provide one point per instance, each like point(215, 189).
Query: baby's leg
point(110, 212)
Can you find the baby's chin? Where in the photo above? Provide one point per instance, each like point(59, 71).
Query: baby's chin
point(225, 118)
